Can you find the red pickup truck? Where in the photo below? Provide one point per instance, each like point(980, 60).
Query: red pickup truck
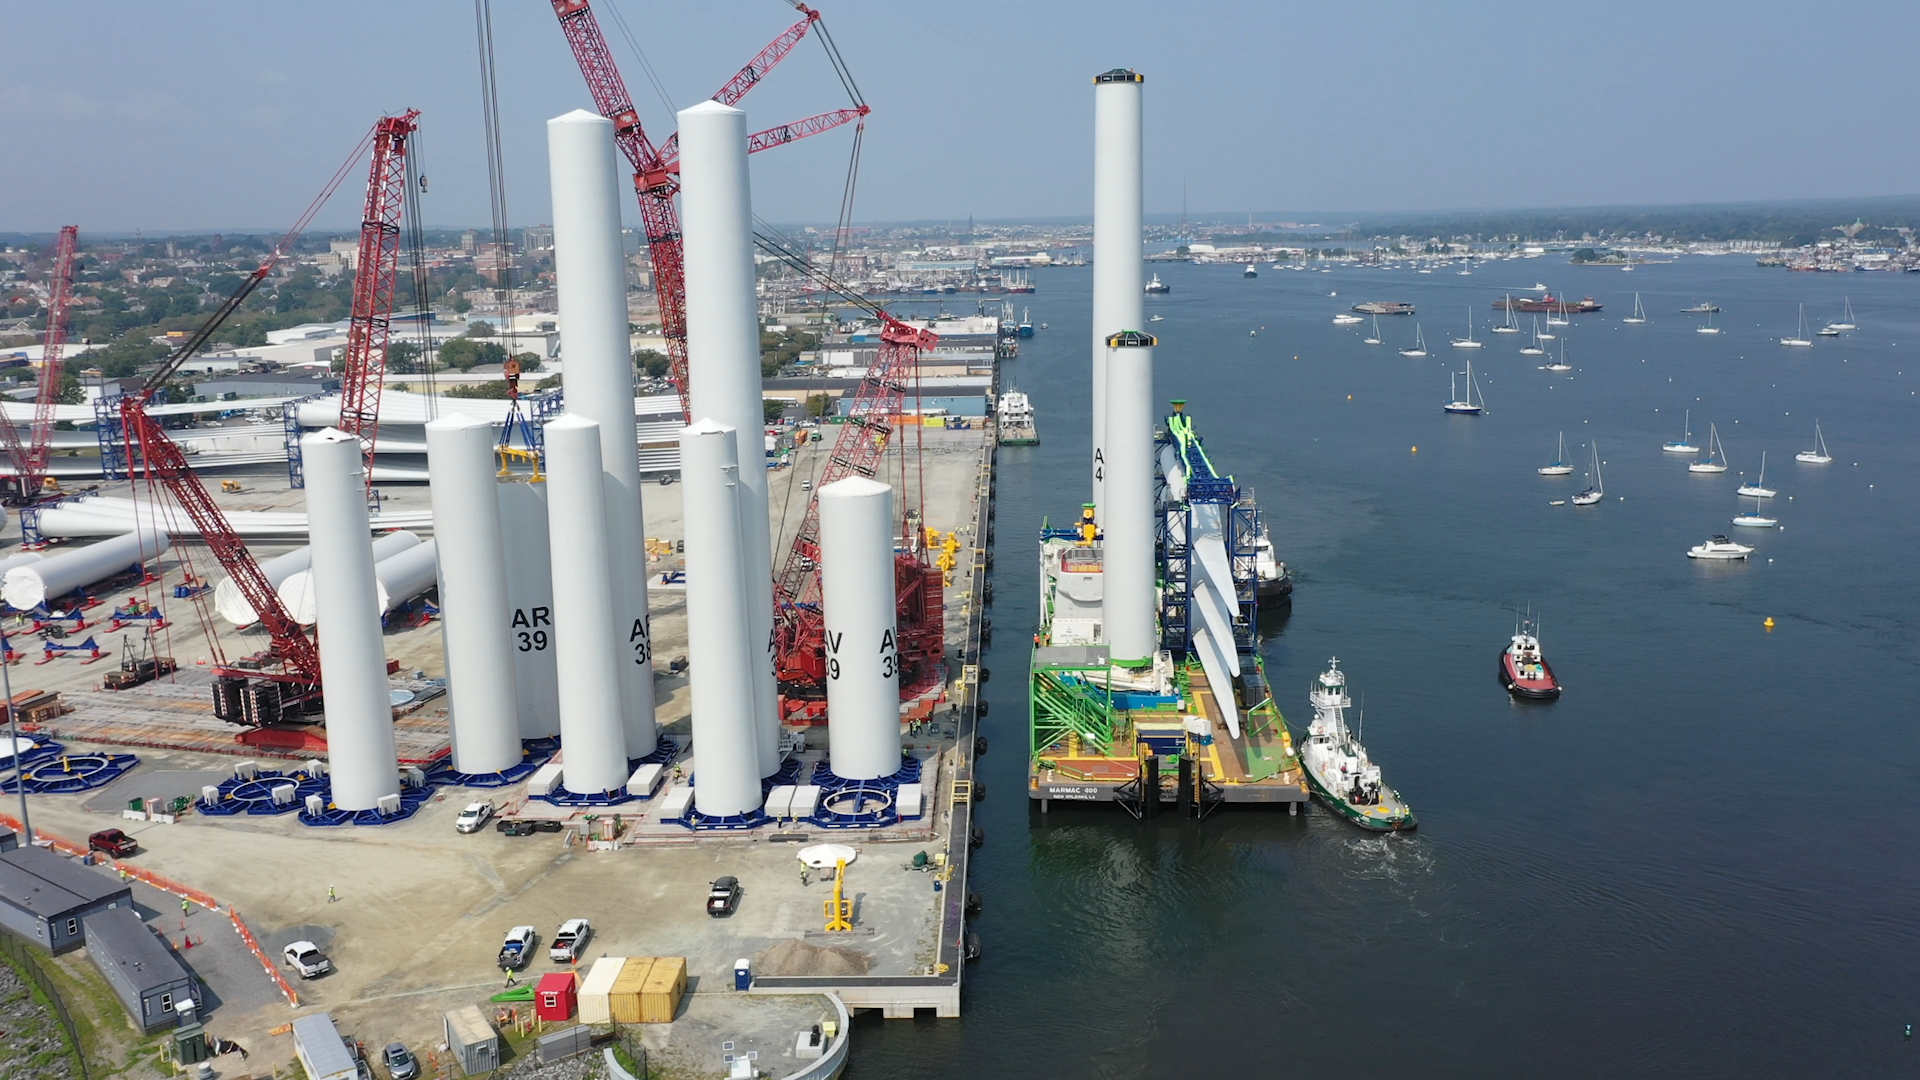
point(113, 842)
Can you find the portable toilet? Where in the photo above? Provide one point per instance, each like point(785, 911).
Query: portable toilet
point(555, 996)
point(743, 974)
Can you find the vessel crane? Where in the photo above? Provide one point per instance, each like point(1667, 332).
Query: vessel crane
point(286, 682)
point(656, 170)
point(29, 458)
point(858, 450)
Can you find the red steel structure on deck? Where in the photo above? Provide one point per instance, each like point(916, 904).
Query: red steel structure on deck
point(29, 458)
point(859, 450)
point(656, 170)
point(374, 274)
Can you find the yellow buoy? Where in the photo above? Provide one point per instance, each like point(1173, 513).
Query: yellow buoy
point(1769, 624)
point(1349, 397)
point(1416, 449)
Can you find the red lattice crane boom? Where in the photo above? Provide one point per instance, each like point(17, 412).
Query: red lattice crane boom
point(375, 271)
point(29, 458)
point(656, 170)
point(251, 695)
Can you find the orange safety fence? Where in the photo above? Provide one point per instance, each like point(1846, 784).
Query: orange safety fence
point(127, 870)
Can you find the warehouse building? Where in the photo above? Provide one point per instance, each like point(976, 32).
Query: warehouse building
point(46, 898)
point(145, 974)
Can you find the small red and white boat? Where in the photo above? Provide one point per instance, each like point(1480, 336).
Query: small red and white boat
point(1523, 669)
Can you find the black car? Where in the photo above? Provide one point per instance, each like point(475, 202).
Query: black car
point(723, 896)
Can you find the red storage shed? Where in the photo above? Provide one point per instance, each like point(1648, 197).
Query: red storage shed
point(555, 996)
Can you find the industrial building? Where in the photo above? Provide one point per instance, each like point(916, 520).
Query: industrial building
point(146, 975)
point(46, 898)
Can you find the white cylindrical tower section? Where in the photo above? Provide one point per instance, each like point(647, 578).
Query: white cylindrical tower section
point(232, 604)
point(475, 615)
point(719, 642)
point(723, 347)
point(362, 764)
point(300, 590)
point(863, 651)
point(1127, 524)
point(592, 279)
point(1119, 291)
point(589, 654)
point(27, 585)
point(523, 526)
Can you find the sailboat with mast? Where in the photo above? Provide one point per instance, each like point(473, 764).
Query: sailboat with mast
point(1716, 459)
point(1507, 327)
point(1375, 339)
point(1846, 322)
point(1467, 405)
point(1758, 488)
point(1818, 455)
point(1639, 313)
point(1685, 445)
point(1709, 328)
point(1419, 343)
point(1799, 338)
point(1756, 520)
point(1469, 343)
point(1534, 349)
point(1559, 466)
point(1598, 490)
point(1560, 364)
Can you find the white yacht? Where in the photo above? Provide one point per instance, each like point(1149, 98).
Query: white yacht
point(1721, 548)
point(1469, 343)
point(1716, 459)
point(1685, 445)
point(1467, 405)
point(1250, 271)
point(1419, 343)
point(1799, 338)
point(1559, 467)
point(1758, 488)
point(1598, 490)
point(1347, 318)
point(1818, 455)
point(1015, 419)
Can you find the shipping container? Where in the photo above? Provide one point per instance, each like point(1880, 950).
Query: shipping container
point(624, 999)
point(555, 996)
point(594, 1006)
point(474, 1043)
point(660, 997)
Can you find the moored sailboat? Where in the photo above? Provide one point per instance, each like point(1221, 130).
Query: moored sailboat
point(1559, 467)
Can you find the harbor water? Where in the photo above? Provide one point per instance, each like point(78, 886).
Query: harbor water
point(1699, 862)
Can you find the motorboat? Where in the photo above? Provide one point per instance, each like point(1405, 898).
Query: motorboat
point(1250, 271)
point(1701, 308)
point(1347, 318)
point(1719, 548)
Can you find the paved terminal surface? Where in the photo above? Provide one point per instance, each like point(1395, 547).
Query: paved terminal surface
point(421, 909)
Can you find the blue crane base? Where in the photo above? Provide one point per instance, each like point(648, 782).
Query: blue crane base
point(662, 754)
point(861, 804)
point(534, 753)
point(63, 773)
point(255, 796)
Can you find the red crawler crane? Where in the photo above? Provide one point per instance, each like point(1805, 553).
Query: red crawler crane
point(285, 682)
point(656, 171)
point(373, 280)
point(30, 459)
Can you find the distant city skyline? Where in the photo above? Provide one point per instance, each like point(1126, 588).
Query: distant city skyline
point(212, 116)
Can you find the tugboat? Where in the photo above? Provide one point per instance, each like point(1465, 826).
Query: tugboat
point(1337, 767)
point(1156, 287)
point(1274, 586)
point(1015, 415)
point(1522, 667)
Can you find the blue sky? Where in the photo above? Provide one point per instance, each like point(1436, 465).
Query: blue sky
point(204, 114)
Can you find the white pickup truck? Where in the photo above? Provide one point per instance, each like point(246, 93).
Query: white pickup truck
point(569, 940)
point(517, 949)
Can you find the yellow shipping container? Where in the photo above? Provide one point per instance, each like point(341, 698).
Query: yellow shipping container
point(625, 1000)
point(660, 997)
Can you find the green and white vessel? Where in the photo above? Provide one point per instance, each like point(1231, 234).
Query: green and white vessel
point(1337, 767)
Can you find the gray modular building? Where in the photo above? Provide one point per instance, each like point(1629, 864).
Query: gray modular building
point(147, 976)
point(46, 898)
point(321, 1049)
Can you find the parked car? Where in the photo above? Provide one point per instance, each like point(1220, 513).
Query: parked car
point(723, 896)
point(473, 817)
point(517, 949)
point(113, 842)
point(400, 1062)
point(806, 485)
point(569, 940)
point(306, 958)
point(514, 826)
